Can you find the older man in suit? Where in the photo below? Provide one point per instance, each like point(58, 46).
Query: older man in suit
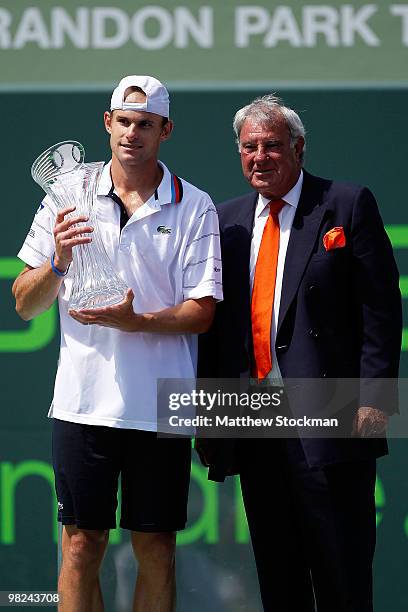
point(310, 292)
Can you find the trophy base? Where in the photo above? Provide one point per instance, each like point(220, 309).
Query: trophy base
point(97, 299)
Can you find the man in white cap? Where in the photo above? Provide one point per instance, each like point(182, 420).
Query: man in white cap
point(162, 236)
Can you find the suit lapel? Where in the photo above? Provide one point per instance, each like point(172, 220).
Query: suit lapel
point(242, 229)
point(306, 224)
point(245, 217)
point(237, 226)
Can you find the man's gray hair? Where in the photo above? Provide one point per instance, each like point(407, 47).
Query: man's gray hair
point(265, 110)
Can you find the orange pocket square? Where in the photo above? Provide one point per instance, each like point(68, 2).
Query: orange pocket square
point(334, 239)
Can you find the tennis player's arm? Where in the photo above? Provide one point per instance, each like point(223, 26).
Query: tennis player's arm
point(35, 290)
point(193, 316)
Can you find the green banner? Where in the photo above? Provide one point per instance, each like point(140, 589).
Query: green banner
point(226, 43)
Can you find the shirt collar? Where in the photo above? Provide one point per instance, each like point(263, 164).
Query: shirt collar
point(163, 194)
point(105, 182)
point(292, 197)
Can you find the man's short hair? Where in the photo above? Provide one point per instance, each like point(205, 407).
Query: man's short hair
point(265, 110)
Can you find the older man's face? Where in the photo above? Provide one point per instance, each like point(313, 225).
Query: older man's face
point(269, 162)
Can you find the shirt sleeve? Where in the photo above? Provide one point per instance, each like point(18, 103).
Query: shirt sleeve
point(39, 244)
point(202, 269)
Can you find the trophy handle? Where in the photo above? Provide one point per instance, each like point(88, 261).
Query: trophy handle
point(61, 158)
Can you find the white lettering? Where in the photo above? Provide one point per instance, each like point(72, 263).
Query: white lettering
point(320, 20)
point(283, 27)
point(355, 23)
point(186, 25)
point(338, 26)
point(284, 421)
point(120, 22)
point(276, 399)
point(197, 421)
point(223, 421)
point(5, 22)
point(154, 27)
point(31, 29)
point(165, 28)
point(249, 20)
point(174, 401)
point(185, 399)
point(401, 10)
point(211, 397)
point(75, 29)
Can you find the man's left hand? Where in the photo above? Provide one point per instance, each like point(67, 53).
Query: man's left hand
point(120, 316)
point(369, 423)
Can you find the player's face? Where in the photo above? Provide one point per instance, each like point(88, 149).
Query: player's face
point(269, 161)
point(135, 136)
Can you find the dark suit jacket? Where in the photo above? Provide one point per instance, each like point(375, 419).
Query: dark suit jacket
point(340, 311)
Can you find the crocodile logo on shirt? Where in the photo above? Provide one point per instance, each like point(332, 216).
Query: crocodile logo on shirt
point(162, 229)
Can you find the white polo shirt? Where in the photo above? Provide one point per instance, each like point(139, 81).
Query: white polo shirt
point(106, 376)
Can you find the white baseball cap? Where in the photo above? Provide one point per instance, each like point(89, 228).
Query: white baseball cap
point(157, 96)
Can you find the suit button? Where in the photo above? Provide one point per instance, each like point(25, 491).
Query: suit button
point(314, 333)
point(281, 348)
point(312, 288)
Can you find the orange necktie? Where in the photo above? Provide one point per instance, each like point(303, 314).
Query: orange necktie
point(263, 292)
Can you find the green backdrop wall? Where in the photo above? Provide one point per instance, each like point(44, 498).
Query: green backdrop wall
point(353, 135)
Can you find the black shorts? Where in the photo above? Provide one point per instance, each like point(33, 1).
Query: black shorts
point(155, 477)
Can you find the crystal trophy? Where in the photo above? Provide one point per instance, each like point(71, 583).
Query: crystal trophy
point(69, 181)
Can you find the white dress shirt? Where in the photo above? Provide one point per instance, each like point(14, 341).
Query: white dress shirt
point(286, 217)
